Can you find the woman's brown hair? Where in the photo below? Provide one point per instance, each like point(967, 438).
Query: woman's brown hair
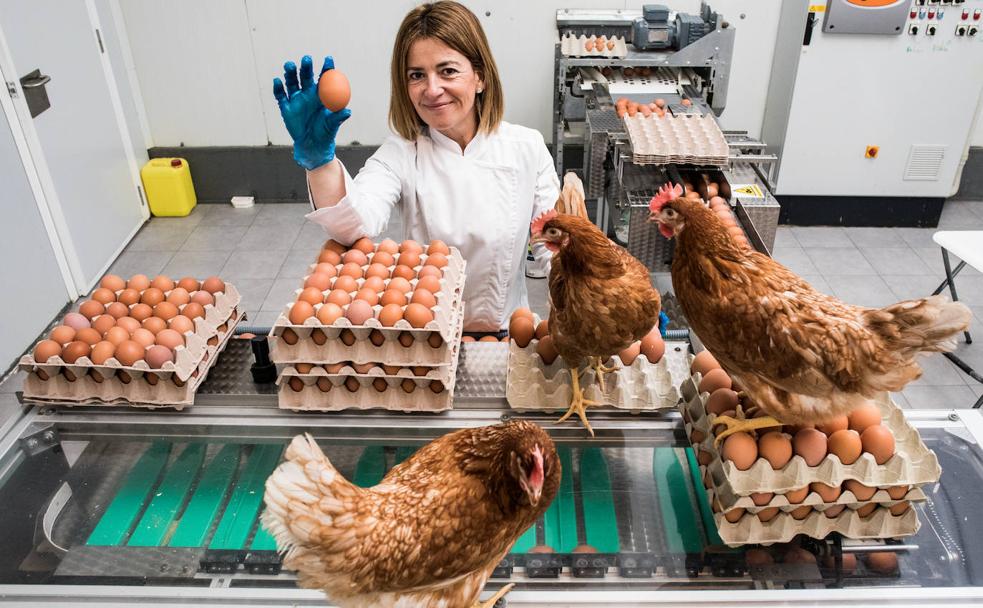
point(457, 27)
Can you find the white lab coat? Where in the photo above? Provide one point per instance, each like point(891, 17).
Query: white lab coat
point(481, 202)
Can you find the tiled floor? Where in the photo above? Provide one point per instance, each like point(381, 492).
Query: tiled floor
point(264, 250)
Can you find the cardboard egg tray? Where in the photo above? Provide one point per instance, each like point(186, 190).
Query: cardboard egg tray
point(576, 46)
point(913, 464)
point(847, 498)
point(137, 393)
point(677, 139)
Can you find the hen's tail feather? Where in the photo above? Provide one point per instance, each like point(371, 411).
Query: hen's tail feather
point(925, 325)
point(572, 199)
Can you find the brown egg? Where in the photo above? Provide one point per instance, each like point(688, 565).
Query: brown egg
point(811, 445)
point(117, 310)
point(488, 338)
point(189, 284)
point(181, 324)
point(325, 268)
point(334, 368)
point(403, 272)
point(762, 498)
point(169, 338)
point(424, 297)
point(202, 298)
point(430, 271)
point(128, 297)
point(141, 311)
point(776, 448)
point(882, 562)
point(91, 309)
point(166, 311)
point(117, 335)
point(324, 384)
point(393, 296)
point(319, 280)
point(867, 510)
point(152, 296)
point(311, 295)
point(354, 257)
point(436, 259)
point(703, 362)
point(408, 385)
point(438, 246)
point(859, 490)
point(374, 284)
point(333, 245)
point(103, 296)
point(157, 356)
point(380, 385)
point(154, 324)
point(162, 282)
point(102, 351)
point(545, 349)
point(898, 492)
point(112, 283)
point(351, 269)
point(436, 387)
point(364, 244)
point(178, 296)
point(794, 497)
point(330, 312)
point(832, 425)
point(864, 416)
point(138, 282)
point(363, 368)
point(410, 245)
point(213, 285)
point(834, 511)
point(629, 354)
point(409, 258)
point(88, 335)
point(799, 555)
point(367, 294)
point(338, 297)
point(801, 513)
point(129, 324)
point(405, 338)
point(296, 384)
point(327, 256)
point(435, 341)
point(388, 246)
point(714, 379)
point(653, 347)
point(543, 329)
point(352, 384)
point(318, 336)
point(300, 312)
point(417, 315)
point(697, 436)
point(376, 270)
point(143, 337)
point(741, 449)
point(75, 350)
point(345, 283)
point(376, 337)
point(876, 439)
point(734, 515)
point(899, 508)
point(62, 334)
point(46, 349)
point(766, 515)
point(390, 314)
point(358, 312)
point(521, 329)
point(722, 400)
point(845, 445)
point(827, 492)
point(289, 336)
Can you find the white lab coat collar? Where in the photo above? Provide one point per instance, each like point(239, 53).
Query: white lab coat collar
point(472, 150)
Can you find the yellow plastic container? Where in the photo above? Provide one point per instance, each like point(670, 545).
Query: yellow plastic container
point(167, 182)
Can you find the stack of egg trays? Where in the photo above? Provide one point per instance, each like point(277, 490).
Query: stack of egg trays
point(447, 323)
point(913, 465)
point(677, 139)
point(176, 383)
point(640, 387)
point(576, 46)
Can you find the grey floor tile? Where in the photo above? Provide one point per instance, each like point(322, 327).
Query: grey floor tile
point(900, 400)
point(149, 263)
point(258, 264)
point(282, 213)
point(227, 215)
point(795, 259)
point(960, 215)
point(917, 237)
point(909, 287)
point(198, 264)
point(186, 222)
point(970, 290)
point(281, 294)
point(822, 236)
point(976, 207)
point(785, 237)
point(311, 238)
point(866, 238)
point(208, 237)
point(938, 371)
point(296, 264)
point(862, 290)
point(895, 260)
point(269, 237)
point(253, 292)
point(939, 397)
point(818, 283)
point(159, 237)
point(839, 260)
point(264, 318)
point(932, 256)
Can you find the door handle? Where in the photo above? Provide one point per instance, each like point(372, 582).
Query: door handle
point(35, 82)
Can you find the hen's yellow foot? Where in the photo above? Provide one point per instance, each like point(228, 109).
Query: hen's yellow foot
point(747, 424)
point(490, 602)
point(578, 405)
point(600, 369)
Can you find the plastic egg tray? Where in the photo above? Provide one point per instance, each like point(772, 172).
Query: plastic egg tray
point(576, 46)
point(677, 139)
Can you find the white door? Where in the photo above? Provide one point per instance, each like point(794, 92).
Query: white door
point(77, 144)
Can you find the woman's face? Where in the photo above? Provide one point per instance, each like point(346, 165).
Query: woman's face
point(442, 86)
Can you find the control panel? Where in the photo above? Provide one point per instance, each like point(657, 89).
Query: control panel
point(946, 19)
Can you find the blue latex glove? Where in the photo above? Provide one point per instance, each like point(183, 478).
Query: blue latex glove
point(312, 126)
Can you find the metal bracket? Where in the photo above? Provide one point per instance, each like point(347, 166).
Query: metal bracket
point(12, 88)
point(39, 439)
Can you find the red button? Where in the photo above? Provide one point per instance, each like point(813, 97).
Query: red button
point(976, 15)
point(914, 14)
point(931, 14)
point(965, 15)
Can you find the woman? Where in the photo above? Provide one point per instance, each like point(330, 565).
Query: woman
point(458, 171)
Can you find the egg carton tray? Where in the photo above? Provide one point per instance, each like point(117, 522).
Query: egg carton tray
point(913, 464)
point(198, 346)
point(847, 498)
point(444, 373)
point(643, 386)
point(880, 524)
point(86, 391)
point(576, 46)
point(452, 279)
point(677, 139)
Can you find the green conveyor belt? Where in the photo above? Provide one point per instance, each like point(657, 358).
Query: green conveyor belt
point(706, 513)
point(404, 452)
point(371, 467)
point(600, 520)
point(195, 523)
point(560, 520)
point(168, 498)
point(678, 513)
point(126, 506)
point(243, 508)
point(525, 542)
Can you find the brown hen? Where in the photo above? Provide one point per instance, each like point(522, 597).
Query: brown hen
point(801, 355)
point(601, 298)
point(429, 534)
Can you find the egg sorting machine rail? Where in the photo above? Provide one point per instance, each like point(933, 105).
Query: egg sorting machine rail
point(160, 505)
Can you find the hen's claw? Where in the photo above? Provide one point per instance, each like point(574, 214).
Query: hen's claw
point(600, 369)
point(578, 405)
point(490, 602)
point(736, 426)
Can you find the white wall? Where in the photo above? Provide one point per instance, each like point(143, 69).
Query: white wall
point(205, 69)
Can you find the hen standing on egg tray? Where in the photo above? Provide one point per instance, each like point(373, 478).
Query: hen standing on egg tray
point(802, 356)
point(601, 298)
point(429, 534)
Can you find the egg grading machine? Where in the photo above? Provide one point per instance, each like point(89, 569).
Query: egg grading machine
point(125, 506)
point(673, 56)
